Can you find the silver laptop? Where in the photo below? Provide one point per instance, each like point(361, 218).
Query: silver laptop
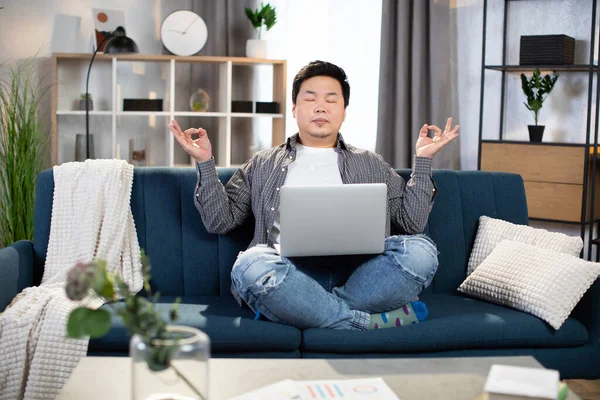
point(332, 219)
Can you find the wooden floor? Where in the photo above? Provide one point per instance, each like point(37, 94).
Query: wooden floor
point(586, 390)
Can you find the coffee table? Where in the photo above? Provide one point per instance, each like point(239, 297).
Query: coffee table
point(411, 379)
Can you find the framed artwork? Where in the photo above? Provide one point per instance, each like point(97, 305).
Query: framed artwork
point(105, 21)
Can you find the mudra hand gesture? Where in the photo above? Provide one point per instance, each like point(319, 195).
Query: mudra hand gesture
point(428, 147)
point(200, 148)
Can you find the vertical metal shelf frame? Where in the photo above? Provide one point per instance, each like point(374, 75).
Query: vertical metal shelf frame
point(588, 219)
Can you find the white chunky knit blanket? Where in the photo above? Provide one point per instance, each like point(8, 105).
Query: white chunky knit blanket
point(91, 218)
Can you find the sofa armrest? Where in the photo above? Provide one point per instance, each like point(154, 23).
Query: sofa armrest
point(16, 270)
point(588, 311)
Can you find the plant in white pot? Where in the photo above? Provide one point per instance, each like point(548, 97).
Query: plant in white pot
point(266, 15)
point(535, 89)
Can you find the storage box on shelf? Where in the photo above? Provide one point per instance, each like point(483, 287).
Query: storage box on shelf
point(115, 78)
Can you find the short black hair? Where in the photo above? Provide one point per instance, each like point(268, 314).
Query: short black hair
point(321, 68)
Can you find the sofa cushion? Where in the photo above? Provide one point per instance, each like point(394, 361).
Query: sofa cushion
point(454, 323)
point(230, 327)
point(542, 282)
point(492, 231)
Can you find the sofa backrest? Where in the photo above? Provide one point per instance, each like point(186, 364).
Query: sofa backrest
point(187, 260)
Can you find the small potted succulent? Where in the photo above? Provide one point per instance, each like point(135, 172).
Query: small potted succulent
point(86, 97)
point(266, 15)
point(535, 89)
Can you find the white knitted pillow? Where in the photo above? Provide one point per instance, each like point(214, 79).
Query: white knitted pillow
point(545, 283)
point(492, 231)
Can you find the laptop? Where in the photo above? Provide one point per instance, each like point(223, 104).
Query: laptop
point(333, 219)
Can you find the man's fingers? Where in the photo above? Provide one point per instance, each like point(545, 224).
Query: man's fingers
point(176, 125)
point(189, 132)
point(448, 124)
point(424, 131)
point(179, 137)
point(436, 129)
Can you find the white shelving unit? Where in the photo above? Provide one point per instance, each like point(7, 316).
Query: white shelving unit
point(69, 73)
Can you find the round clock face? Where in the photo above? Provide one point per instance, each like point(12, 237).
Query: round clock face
point(183, 33)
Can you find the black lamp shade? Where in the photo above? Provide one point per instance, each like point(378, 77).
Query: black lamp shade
point(120, 43)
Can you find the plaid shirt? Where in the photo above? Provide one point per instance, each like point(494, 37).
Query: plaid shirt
point(255, 188)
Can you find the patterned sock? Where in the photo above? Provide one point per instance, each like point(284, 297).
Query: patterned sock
point(412, 313)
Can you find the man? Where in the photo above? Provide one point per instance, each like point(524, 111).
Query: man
point(381, 291)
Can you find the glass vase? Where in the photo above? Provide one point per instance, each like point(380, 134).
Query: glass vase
point(175, 368)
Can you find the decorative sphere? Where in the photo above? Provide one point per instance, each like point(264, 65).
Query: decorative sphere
point(199, 101)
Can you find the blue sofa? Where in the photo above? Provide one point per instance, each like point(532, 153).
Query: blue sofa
point(191, 263)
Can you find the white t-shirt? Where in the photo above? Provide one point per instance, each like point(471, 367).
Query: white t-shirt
point(313, 166)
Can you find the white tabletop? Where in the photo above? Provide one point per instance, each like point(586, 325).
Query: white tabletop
point(411, 379)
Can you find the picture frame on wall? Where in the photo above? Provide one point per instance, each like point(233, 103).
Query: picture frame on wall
point(105, 21)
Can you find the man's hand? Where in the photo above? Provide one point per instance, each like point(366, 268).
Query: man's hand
point(199, 148)
point(428, 147)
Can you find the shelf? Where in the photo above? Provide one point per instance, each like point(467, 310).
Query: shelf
point(526, 142)
point(70, 67)
point(78, 112)
point(166, 57)
point(524, 68)
point(176, 114)
point(199, 114)
point(252, 115)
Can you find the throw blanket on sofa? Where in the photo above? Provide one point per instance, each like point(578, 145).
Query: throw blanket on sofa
point(91, 218)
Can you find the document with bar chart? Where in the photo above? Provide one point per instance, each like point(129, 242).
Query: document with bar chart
point(347, 389)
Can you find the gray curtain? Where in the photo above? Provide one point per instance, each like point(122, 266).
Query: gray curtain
point(228, 30)
point(417, 82)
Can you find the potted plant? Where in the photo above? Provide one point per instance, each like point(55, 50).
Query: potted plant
point(23, 146)
point(173, 357)
point(535, 89)
point(257, 48)
point(86, 97)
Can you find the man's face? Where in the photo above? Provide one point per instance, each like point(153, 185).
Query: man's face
point(319, 110)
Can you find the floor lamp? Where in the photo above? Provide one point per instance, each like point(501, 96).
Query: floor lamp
point(118, 43)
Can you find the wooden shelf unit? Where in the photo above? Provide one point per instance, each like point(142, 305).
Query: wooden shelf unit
point(553, 176)
point(225, 65)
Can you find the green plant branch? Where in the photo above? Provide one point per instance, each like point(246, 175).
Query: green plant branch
point(179, 374)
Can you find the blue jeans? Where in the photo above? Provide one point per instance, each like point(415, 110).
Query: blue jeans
point(278, 288)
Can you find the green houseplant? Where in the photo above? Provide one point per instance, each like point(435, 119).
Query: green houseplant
point(86, 97)
point(23, 144)
point(536, 90)
point(264, 16)
point(174, 357)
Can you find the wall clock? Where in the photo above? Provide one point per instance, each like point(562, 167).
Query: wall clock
point(183, 33)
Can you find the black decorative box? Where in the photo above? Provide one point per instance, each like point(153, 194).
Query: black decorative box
point(142, 105)
point(547, 50)
point(267, 107)
point(240, 106)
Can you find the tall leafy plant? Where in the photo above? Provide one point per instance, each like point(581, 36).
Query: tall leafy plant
point(266, 16)
point(22, 148)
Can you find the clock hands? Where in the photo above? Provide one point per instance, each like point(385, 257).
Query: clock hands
point(190, 25)
point(175, 30)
